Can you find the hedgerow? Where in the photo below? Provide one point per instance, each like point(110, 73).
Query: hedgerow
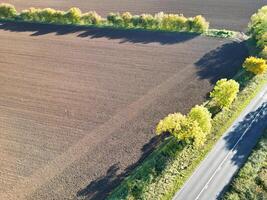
point(251, 181)
point(159, 21)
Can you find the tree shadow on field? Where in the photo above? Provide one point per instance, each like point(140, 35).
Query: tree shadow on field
point(101, 187)
point(252, 126)
point(132, 36)
point(223, 62)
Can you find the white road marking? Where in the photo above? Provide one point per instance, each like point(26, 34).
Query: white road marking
point(228, 154)
point(261, 96)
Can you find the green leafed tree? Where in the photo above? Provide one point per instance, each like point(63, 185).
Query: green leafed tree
point(202, 116)
point(190, 129)
point(224, 92)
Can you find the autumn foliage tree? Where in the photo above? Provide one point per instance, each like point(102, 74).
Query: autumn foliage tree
point(224, 92)
point(202, 116)
point(255, 65)
point(192, 128)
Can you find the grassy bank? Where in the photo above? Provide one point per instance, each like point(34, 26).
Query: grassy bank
point(251, 181)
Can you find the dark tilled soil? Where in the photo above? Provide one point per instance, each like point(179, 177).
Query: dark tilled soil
point(78, 106)
point(228, 14)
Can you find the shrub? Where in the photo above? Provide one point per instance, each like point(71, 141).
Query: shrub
point(263, 53)
point(59, 17)
point(115, 19)
point(30, 15)
point(199, 24)
point(46, 15)
point(146, 21)
point(127, 19)
point(224, 92)
point(255, 65)
point(91, 18)
point(73, 16)
point(202, 116)
point(7, 11)
point(136, 20)
point(258, 27)
point(173, 22)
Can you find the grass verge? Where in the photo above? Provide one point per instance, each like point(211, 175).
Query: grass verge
point(251, 180)
point(166, 170)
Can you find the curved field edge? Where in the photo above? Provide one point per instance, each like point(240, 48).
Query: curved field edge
point(164, 172)
point(219, 33)
point(250, 182)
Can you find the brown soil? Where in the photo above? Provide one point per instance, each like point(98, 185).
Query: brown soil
point(227, 14)
point(78, 106)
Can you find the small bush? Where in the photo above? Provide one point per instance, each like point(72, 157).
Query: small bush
point(146, 21)
point(127, 19)
point(73, 16)
point(173, 22)
point(136, 20)
point(59, 17)
point(115, 19)
point(199, 24)
point(30, 15)
point(224, 92)
point(255, 65)
point(263, 53)
point(46, 15)
point(7, 11)
point(91, 18)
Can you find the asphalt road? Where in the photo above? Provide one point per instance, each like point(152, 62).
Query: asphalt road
point(211, 178)
point(224, 14)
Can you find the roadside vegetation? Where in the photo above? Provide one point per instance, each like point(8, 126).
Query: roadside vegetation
point(251, 181)
point(166, 170)
point(74, 16)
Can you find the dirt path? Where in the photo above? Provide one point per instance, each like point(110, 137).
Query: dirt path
point(78, 106)
point(228, 14)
